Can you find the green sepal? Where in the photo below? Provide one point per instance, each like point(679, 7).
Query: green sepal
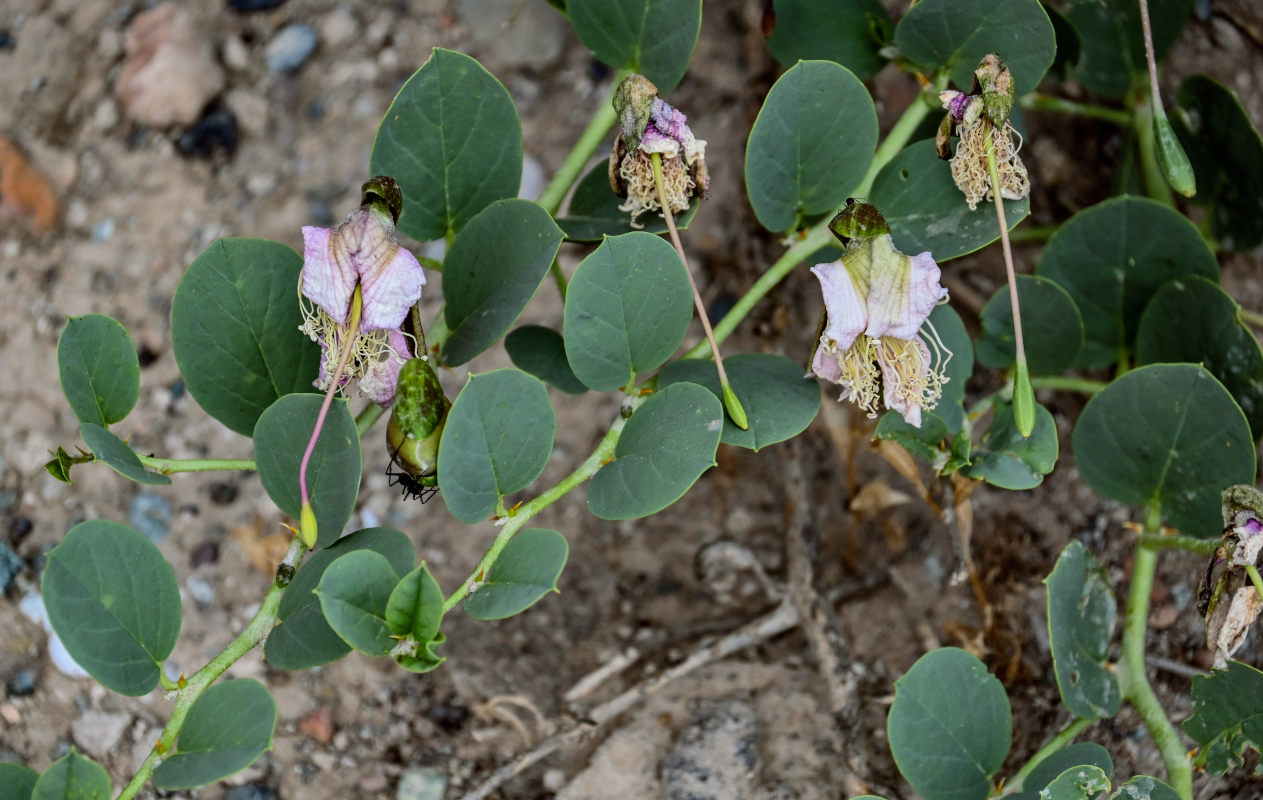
point(1171, 156)
point(1023, 400)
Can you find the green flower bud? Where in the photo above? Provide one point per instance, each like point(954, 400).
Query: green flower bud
point(858, 220)
point(998, 92)
point(1171, 156)
point(416, 426)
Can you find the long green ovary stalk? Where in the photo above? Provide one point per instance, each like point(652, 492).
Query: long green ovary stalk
point(307, 518)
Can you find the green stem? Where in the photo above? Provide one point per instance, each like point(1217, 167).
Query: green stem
point(1157, 541)
point(256, 631)
point(170, 466)
point(1065, 737)
point(1068, 384)
point(603, 452)
point(1131, 667)
point(1042, 102)
point(1032, 234)
point(1155, 179)
point(367, 418)
point(1253, 572)
point(1252, 318)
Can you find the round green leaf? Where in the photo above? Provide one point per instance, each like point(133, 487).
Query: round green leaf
point(333, 474)
point(667, 445)
point(1081, 611)
point(496, 441)
point(227, 728)
point(541, 352)
point(1227, 716)
point(957, 34)
point(303, 639)
point(73, 777)
point(951, 333)
point(1193, 320)
point(1077, 754)
point(99, 369)
point(113, 600)
point(1080, 782)
point(1051, 324)
point(1168, 434)
point(1112, 46)
point(493, 269)
point(950, 726)
point(16, 781)
point(1227, 155)
point(1112, 257)
point(923, 441)
point(594, 211)
point(850, 32)
point(118, 456)
point(778, 400)
point(234, 330)
point(354, 592)
point(415, 607)
point(453, 141)
point(917, 196)
point(653, 37)
point(627, 309)
point(1006, 459)
point(526, 570)
point(810, 145)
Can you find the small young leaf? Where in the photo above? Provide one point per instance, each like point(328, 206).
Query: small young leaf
point(923, 441)
point(527, 570)
point(113, 600)
point(1077, 754)
point(957, 34)
point(1146, 788)
point(667, 445)
point(118, 456)
point(917, 196)
point(653, 37)
point(16, 781)
point(779, 402)
point(1082, 782)
point(453, 141)
point(354, 592)
point(415, 607)
point(541, 352)
point(950, 726)
point(99, 369)
point(1051, 324)
point(850, 32)
point(1193, 320)
point(594, 211)
point(1112, 258)
point(333, 474)
point(1080, 622)
point(227, 728)
point(496, 441)
point(303, 639)
point(73, 777)
point(810, 145)
point(234, 330)
point(1227, 716)
point(1112, 46)
point(493, 269)
point(627, 309)
point(1166, 433)
point(1006, 458)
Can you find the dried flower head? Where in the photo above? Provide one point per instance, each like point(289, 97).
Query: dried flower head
point(981, 119)
point(1226, 596)
point(650, 125)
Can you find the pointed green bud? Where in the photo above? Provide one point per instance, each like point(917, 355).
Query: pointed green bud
point(735, 410)
point(858, 220)
point(633, 102)
point(998, 92)
point(1023, 400)
point(307, 525)
point(416, 421)
point(1171, 156)
point(383, 190)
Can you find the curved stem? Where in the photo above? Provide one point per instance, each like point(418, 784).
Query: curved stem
point(255, 632)
point(604, 452)
point(1157, 541)
point(367, 418)
point(1131, 668)
point(1067, 735)
point(351, 333)
point(170, 466)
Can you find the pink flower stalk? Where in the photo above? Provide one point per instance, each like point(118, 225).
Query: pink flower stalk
point(878, 302)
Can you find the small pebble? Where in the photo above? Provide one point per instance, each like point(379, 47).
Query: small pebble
point(6, 41)
point(97, 733)
point(247, 6)
point(146, 355)
point(151, 515)
point(222, 493)
point(22, 683)
point(251, 791)
point(10, 565)
point(201, 591)
point(215, 132)
point(291, 47)
point(103, 231)
point(448, 716)
point(205, 553)
point(421, 783)
point(7, 498)
point(715, 755)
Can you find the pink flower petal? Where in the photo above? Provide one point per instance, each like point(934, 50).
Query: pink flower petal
point(903, 290)
point(381, 376)
point(895, 391)
point(847, 315)
point(390, 289)
point(824, 364)
point(327, 280)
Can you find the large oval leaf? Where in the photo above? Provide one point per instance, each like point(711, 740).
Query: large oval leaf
point(453, 141)
point(950, 726)
point(1193, 320)
point(653, 37)
point(333, 474)
point(303, 639)
point(16, 781)
point(227, 728)
point(99, 369)
point(493, 269)
point(1112, 257)
point(778, 400)
point(917, 196)
point(496, 441)
point(810, 145)
point(527, 569)
point(667, 445)
point(627, 309)
point(73, 777)
point(541, 352)
point(113, 600)
point(1112, 46)
point(850, 32)
point(594, 213)
point(118, 456)
point(354, 592)
point(957, 33)
point(1081, 610)
point(1168, 434)
point(234, 330)
point(1051, 324)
